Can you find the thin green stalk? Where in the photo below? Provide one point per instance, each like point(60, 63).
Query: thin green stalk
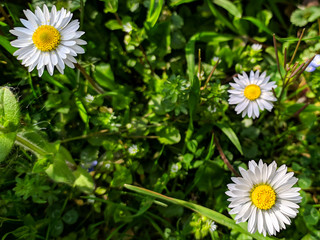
point(31, 85)
point(276, 51)
point(93, 83)
point(81, 13)
point(297, 47)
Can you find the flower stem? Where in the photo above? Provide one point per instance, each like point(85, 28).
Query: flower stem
point(276, 51)
point(96, 87)
point(224, 158)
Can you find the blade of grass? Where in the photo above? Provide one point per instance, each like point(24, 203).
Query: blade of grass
point(215, 216)
point(218, 15)
point(229, 6)
point(190, 48)
point(4, 42)
point(179, 2)
point(231, 135)
point(153, 13)
point(259, 24)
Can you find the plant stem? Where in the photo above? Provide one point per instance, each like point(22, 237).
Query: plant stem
point(3, 12)
point(296, 49)
point(276, 51)
point(95, 86)
point(210, 75)
point(20, 140)
point(224, 158)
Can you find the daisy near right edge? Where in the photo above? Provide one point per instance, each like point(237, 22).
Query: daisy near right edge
point(265, 197)
point(252, 94)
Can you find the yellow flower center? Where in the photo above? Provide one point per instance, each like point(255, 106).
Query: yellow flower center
point(263, 196)
point(252, 92)
point(46, 38)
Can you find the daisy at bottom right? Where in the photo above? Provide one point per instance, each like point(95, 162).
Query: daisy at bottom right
point(265, 197)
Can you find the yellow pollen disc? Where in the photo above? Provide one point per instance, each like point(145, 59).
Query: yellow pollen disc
point(46, 38)
point(252, 92)
point(263, 197)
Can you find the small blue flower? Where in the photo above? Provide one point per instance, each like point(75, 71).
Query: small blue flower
point(310, 68)
point(314, 64)
point(90, 165)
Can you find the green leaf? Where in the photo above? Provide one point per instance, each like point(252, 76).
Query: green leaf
point(304, 182)
point(59, 170)
point(221, 17)
point(110, 6)
point(34, 142)
point(259, 24)
point(121, 176)
point(215, 216)
point(229, 6)
point(4, 42)
point(194, 98)
point(203, 37)
point(113, 25)
point(57, 228)
point(292, 108)
point(9, 120)
point(153, 13)
point(104, 76)
point(311, 215)
point(265, 16)
point(70, 217)
point(195, 84)
point(297, 18)
point(9, 110)
point(192, 146)
point(82, 111)
point(211, 148)
point(168, 135)
point(301, 17)
point(209, 176)
point(83, 180)
point(179, 2)
point(231, 135)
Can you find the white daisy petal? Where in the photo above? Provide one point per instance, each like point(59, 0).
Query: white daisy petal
point(46, 14)
point(21, 32)
point(40, 16)
point(255, 90)
point(269, 224)
point(40, 72)
point(240, 107)
point(68, 43)
point(274, 221)
point(264, 197)
point(77, 49)
point(252, 221)
point(48, 40)
point(31, 18)
point(21, 43)
point(81, 42)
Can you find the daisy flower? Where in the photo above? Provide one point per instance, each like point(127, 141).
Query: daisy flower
point(48, 40)
point(252, 93)
point(265, 197)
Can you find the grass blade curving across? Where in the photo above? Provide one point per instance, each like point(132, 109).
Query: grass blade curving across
point(215, 216)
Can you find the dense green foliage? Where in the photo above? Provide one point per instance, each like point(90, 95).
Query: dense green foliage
point(156, 122)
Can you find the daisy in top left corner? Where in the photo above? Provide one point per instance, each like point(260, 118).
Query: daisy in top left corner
point(48, 40)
